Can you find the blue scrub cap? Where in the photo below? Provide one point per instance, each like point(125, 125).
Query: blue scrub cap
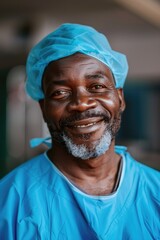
point(65, 41)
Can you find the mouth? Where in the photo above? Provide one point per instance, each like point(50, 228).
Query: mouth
point(85, 126)
point(85, 122)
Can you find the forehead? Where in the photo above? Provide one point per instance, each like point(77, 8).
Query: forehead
point(78, 62)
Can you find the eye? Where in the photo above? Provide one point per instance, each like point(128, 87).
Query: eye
point(60, 94)
point(99, 88)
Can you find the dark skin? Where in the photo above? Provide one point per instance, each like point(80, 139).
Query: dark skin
point(78, 84)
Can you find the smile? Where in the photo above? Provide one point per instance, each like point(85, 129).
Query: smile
point(85, 125)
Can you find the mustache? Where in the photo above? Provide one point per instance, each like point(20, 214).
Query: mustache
point(83, 115)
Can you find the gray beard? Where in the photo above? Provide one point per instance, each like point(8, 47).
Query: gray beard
point(83, 152)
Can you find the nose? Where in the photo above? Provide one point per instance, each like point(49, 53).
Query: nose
point(81, 101)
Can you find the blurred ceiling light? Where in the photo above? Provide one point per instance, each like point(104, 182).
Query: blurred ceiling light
point(148, 9)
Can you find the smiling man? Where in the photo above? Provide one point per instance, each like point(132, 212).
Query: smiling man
point(84, 187)
point(81, 105)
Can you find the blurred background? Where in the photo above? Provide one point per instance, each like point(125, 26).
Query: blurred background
point(132, 27)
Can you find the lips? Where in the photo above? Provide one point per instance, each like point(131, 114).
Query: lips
point(86, 126)
point(85, 123)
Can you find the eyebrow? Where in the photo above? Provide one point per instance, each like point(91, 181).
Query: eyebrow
point(97, 73)
point(58, 82)
point(87, 76)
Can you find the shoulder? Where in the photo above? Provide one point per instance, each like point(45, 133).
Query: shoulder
point(140, 174)
point(143, 186)
point(19, 190)
point(150, 176)
point(147, 192)
point(151, 182)
point(138, 166)
point(25, 175)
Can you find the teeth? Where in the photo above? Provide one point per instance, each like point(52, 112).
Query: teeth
point(86, 125)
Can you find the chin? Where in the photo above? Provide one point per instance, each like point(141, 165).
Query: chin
point(86, 149)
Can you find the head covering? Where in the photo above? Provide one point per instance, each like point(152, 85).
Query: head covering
point(65, 41)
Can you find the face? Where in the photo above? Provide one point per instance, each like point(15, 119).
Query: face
point(82, 107)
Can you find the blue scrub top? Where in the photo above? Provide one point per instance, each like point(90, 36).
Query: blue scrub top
point(38, 202)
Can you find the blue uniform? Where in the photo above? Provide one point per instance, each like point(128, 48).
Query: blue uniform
point(38, 202)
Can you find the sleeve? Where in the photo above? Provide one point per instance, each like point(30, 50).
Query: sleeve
point(9, 204)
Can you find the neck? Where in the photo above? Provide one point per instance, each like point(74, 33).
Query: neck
point(96, 176)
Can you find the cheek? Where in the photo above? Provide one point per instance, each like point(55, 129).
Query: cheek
point(110, 102)
point(54, 112)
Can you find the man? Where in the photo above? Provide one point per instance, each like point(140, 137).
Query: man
point(84, 187)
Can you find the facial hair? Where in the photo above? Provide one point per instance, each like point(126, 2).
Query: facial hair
point(83, 151)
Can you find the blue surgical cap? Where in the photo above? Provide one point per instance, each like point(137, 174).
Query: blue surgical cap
point(65, 41)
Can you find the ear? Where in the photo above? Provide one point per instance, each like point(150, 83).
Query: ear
point(121, 99)
point(41, 104)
